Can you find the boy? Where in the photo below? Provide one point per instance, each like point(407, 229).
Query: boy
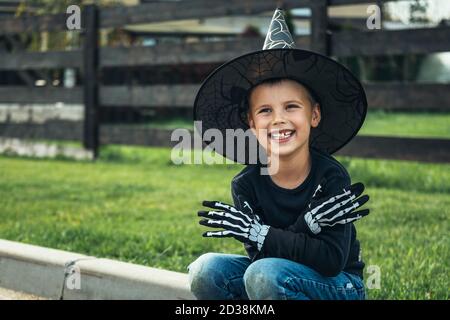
point(295, 222)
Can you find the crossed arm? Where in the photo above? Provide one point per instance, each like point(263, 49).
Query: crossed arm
point(247, 227)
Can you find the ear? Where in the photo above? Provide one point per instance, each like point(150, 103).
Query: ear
point(251, 122)
point(316, 116)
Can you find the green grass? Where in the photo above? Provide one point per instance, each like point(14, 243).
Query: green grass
point(134, 205)
point(436, 125)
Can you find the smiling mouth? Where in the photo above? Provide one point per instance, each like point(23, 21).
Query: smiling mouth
point(281, 136)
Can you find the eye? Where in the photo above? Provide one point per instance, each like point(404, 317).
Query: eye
point(291, 106)
point(264, 110)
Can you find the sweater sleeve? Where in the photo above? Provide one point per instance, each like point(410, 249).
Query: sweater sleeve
point(244, 202)
point(326, 252)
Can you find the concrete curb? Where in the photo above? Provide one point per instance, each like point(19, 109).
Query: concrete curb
point(57, 274)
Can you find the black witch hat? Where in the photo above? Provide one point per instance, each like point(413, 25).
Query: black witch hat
point(222, 100)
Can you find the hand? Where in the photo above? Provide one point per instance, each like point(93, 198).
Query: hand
point(337, 209)
point(244, 227)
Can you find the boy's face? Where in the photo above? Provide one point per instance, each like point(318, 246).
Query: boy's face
point(282, 114)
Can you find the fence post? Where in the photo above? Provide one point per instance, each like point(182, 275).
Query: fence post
point(90, 81)
point(319, 27)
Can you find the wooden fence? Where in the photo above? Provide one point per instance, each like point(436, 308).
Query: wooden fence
point(92, 59)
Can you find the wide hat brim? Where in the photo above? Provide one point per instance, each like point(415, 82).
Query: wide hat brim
point(221, 102)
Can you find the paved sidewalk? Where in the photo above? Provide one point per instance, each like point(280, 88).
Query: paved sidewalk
point(6, 294)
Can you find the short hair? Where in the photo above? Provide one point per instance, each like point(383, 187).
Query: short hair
point(274, 81)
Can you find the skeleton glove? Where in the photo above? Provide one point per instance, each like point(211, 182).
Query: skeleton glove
point(337, 209)
point(245, 227)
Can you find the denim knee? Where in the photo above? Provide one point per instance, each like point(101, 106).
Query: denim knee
point(209, 277)
point(262, 281)
point(202, 273)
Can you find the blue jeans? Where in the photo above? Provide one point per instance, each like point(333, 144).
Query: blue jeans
point(229, 276)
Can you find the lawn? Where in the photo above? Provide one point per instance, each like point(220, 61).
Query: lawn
point(135, 205)
point(430, 125)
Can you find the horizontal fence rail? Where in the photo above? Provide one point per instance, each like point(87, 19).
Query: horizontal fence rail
point(389, 42)
point(218, 51)
point(24, 60)
point(398, 148)
point(22, 94)
point(387, 96)
point(408, 96)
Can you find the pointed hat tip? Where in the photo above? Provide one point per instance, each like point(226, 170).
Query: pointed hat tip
point(278, 35)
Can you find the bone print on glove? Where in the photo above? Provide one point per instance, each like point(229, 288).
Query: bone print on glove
point(337, 209)
point(245, 227)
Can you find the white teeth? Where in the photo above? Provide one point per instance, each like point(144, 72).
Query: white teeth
point(283, 135)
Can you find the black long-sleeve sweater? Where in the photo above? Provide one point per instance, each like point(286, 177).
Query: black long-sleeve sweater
point(333, 250)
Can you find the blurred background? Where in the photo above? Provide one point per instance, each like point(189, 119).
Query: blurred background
point(86, 117)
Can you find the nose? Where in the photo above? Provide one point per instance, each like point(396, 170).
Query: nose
point(278, 117)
